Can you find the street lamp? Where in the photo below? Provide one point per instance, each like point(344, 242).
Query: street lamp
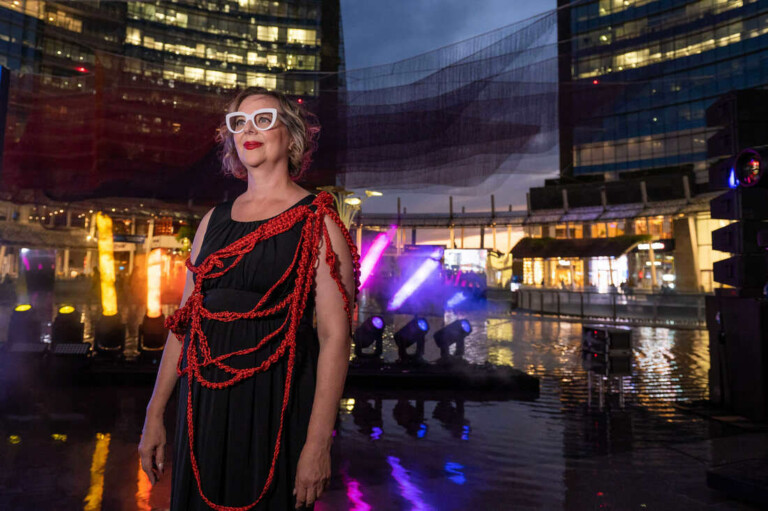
point(347, 204)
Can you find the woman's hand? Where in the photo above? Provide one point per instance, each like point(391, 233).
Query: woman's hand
point(152, 447)
point(313, 473)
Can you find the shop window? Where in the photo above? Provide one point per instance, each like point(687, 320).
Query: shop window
point(656, 226)
point(598, 230)
point(640, 227)
point(561, 231)
point(577, 231)
point(615, 229)
point(534, 231)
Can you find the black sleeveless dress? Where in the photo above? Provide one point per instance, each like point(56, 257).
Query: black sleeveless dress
point(235, 427)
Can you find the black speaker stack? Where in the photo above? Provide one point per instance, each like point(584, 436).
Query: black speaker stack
point(737, 314)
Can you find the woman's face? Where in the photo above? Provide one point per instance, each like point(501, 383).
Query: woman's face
point(255, 147)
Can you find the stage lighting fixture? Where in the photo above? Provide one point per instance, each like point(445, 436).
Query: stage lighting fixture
point(450, 334)
point(412, 333)
point(152, 334)
point(746, 169)
point(24, 326)
point(67, 327)
point(369, 332)
point(109, 335)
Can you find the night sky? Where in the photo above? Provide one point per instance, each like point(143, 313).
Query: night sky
point(378, 32)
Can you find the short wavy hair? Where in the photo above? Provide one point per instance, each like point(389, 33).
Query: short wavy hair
point(302, 125)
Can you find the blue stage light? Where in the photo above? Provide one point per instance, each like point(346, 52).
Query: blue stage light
point(450, 334)
point(369, 333)
point(423, 325)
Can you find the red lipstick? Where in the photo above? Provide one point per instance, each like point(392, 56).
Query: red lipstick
point(252, 145)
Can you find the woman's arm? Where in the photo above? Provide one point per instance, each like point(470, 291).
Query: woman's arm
point(314, 468)
point(152, 445)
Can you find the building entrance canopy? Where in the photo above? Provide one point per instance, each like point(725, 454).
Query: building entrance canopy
point(547, 248)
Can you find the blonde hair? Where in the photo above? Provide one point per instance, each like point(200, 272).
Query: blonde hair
point(302, 126)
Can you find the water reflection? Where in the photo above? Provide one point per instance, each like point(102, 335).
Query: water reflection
point(405, 449)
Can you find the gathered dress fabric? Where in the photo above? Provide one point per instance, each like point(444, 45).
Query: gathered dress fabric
point(235, 423)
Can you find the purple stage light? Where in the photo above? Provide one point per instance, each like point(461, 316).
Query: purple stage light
point(408, 490)
point(416, 280)
point(377, 322)
point(456, 299)
point(423, 325)
point(374, 253)
point(466, 326)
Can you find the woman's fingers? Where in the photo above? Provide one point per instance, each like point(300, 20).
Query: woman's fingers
point(160, 458)
point(146, 466)
point(305, 496)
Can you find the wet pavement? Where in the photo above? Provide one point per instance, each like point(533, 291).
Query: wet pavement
point(71, 448)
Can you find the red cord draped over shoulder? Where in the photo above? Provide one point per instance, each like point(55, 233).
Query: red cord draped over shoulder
point(189, 316)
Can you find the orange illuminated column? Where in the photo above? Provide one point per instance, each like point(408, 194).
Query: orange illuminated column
point(106, 264)
point(154, 276)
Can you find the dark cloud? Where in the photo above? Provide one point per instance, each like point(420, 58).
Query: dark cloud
point(378, 32)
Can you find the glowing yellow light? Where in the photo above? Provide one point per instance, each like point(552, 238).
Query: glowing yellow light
point(106, 264)
point(59, 437)
point(92, 501)
point(23, 307)
point(14, 439)
point(67, 309)
point(373, 193)
point(348, 404)
point(154, 274)
point(353, 201)
point(143, 490)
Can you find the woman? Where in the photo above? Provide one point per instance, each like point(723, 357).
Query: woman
point(259, 387)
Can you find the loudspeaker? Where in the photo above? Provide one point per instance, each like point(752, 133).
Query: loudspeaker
point(743, 270)
point(738, 352)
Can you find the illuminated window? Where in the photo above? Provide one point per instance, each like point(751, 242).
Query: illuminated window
point(302, 36)
point(267, 33)
point(133, 36)
point(615, 229)
point(304, 87)
point(220, 78)
point(598, 230)
point(151, 43)
point(65, 21)
point(254, 59)
point(261, 80)
point(561, 231)
point(300, 62)
point(194, 74)
point(272, 60)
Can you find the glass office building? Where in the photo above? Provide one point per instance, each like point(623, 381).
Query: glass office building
point(650, 69)
point(220, 44)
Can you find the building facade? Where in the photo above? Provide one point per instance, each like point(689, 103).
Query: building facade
point(122, 99)
point(636, 77)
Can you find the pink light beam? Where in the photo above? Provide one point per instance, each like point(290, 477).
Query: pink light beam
point(374, 254)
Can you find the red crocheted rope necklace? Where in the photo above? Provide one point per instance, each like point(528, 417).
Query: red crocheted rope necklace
point(190, 314)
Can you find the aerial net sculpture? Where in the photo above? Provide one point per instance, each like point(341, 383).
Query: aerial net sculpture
point(465, 115)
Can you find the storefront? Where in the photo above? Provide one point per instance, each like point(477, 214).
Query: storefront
point(598, 263)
